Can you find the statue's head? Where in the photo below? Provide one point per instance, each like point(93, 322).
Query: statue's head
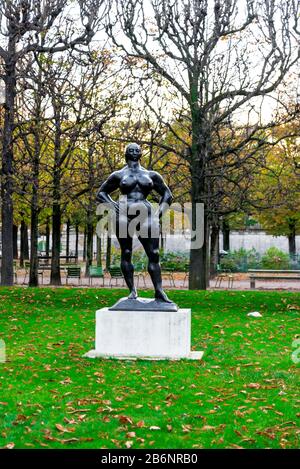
point(133, 152)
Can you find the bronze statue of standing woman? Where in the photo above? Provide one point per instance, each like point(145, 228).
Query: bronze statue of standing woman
point(135, 184)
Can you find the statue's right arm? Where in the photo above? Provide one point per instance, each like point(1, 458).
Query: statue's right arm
point(109, 186)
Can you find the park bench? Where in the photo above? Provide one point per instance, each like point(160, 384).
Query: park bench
point(95, 272)
point(259, 274)
point(73, 272)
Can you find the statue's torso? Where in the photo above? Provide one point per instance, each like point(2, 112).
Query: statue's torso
point(136, 185)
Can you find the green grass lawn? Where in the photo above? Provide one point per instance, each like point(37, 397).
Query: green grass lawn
point(244, 392)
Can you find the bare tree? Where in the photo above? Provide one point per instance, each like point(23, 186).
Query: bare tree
point(21, 23)
point(85, 93)
point(30, 137)
point(220, 58)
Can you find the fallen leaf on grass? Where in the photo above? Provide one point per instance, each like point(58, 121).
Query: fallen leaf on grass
point(20, 418)
point(124, 419)
point(291, 307)
point(70, 421)
point(48, 435)
point(62, 429)
point(253, 385)
point(248, 440)
point(66, 381)
point(116, 442)
point(78, 410)
point(186, 428)
point(69, 440)
point(171, 396)
point(267, 434)
point(9, 446)
point(208, 428)
point(140, 424)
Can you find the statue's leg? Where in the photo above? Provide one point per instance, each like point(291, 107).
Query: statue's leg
point(151, 246)
point(126, 264)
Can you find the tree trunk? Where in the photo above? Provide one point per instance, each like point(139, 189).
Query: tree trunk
point(89, 225)
point(198, 278)
point(172, 222)
point(7, 271)
point(226, 235)
point(24, 249)
point(207, 256)
point(15, 241)
point(68, 240)
point(214, 249)
point(34, 225)
point(47, 247)
point(89, 242)
point(76, 240)
point(99, 252)
point(55, 278)
point(198, 272)
point(292, 239)
point(84, 245)
point(108, 252)
point(34, 228)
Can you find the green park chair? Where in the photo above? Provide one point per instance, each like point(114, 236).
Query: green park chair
point(73, 272)
point(27, 270)
point(186, 275)
point(223, 274)
point(139, 272)
point(95, 272)
point(15, 271)
point(115, 274)
point(169, 272)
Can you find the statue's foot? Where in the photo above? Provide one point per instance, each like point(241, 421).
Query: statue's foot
point(160, 295)
point(133, 294)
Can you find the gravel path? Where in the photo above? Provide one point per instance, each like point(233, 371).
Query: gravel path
point(240, 282)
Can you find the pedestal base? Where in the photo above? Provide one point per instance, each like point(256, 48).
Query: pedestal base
point(93, 354)
point(150, 335)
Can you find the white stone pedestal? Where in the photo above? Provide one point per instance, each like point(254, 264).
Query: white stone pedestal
point(153, 335)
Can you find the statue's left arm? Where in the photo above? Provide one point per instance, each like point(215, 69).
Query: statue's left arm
point(164, 191)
